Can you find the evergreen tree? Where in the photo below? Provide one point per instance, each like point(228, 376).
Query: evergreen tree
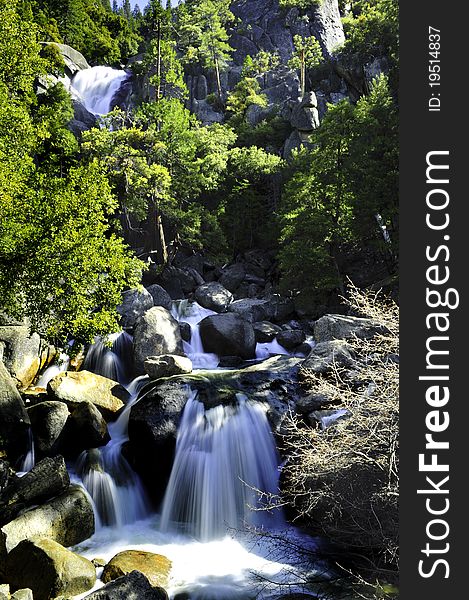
point(308, 54)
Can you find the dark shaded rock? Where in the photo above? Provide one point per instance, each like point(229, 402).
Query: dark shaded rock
point(46, 479)
point(331, 327)
point(156, 333)
point(48, 420)
point(291, 339)
point(228, 335)
point(14, 420)
point(213, 296)
point(167, 365)
point(186, 331)
point(251, 309)
point(86, 428)
point(326, 418)
point(230, 362)
point(265, 331)
point(160, 296)
point(72, 388)
point(7, 475)
point(67, 519)
point(134, 586)
point(135, 303)
point(232, 276)
point(305, 114)
point(48, 569)
point(178, 282)
point(312, 402)
point(325, 354)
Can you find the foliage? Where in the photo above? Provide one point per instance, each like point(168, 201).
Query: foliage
point(245, 94)
point(301, 4)
point(307, 55)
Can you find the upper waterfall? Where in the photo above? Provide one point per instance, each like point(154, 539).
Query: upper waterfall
point(97, 86)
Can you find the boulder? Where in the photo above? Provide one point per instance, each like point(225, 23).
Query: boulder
point(305, 116)
point(153, 425)
point(24, 594)
point(134, 304)
point(72, 388)
point(178, 282)
point(213, 296)
point(7, 475)
point(250, 309)
point(48, 420)
point(68, 519)
point(160, 296)
point(228, 334)
point(134, 586)
point(48, 478)
point(291, 338)
point(48, 569)
point(156, 333)
point(327, 354)
point(21, 353)
point(87, 428)
point(14, 420)
point(265, 331)
point(155, 567)
point(74, 61)
point(341, 327)
point(186, 331)
point(167, 365)
point(232, 277)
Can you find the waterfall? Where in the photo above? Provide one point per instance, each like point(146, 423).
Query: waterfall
point(30, 459)
point(61, 366)
point(225, 456)
point(268, 349)
point(192, 313)
point(97, 86)
point(108, 357)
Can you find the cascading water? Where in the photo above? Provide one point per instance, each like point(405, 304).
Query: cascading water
point(97, 86)
point(225, 457)
point(108, 357)
point(60, 366)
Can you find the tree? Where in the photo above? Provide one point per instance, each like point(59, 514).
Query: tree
point(308, 54)
point(245, 94)
point(260, 64)
point(202, 28)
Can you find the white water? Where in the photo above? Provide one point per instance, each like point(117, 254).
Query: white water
point(192, 313)
point(61, 366)
point(111, 357)
point(268, 349)
point(224, 456)
point(97, 86)
point(30, 458)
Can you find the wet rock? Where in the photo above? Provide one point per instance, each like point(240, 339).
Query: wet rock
point(331, 327)
point(21, 353)
point(167, 365)
point(186, 331)
point(213, 296)
point(134, 586)
point(48, 420)
point(232, 277)
point(134, 304)
point(155, 567)
point(291, 339)
point(14, 420)
point(160, 296)
point(67, 519)
point(156, 333)
point(48, 569)
point(47, 479)
point(228, 335)
point(72, 388)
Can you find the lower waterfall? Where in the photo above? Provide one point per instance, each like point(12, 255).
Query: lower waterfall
point(97, 86)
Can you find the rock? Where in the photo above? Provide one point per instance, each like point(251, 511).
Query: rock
point(47, 478)
point(213, 296)
point(312, 402)
point(200, 87)
point(326, 418)
point(134, 304)
point(68, 519)
point(72, 388)
point(74, 61)
point(155, 567)
point(279, 308)
point(341, 327)
point(167, 365)
point(134, 586)
point(14, 420)
point(21, 353)
point(265, 331)
point(25, 594)
point(326, 26)
point(4, 592)
point(83, 115)
point(178, 282)
point(186, 331)
point(228, 334)
point(48, 420)
point(153, 427)
point(48, 569)
point(205, 112)
point(292, 338)
point(232, 276)
point(325, 354)
point(250, 309)
point(305, 115)
point(294, 142)
point(229, 362)
point(7, 475)
point(156, 333)
point(87, 428)
point(160, 296)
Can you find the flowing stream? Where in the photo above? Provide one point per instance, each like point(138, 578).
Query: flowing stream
point(97, 86)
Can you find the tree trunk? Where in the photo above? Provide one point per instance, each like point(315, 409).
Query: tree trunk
point(158, 64)
point(217, 71)
point(303, 74)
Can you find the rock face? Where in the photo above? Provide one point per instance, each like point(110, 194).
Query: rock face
point(167, 366)
point(341, 327)
point(74, 61)
point(72, 388)
point(68, 519)
point(20, 352)
point(156, 333)
point(46, 479)
point(48, 420)
point(213, 296)
point(48, 569)
point(134, 586)
point(155, 567)
point(228, 335)
point(135, 303)
point(14, 420)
